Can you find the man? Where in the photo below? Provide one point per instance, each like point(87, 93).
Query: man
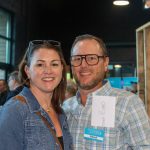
point(134, 87)
point(14, 84)
point(3, 91)
point(71, 89)
point(99, 116)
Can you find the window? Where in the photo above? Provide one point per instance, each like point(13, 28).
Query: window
point(5, 41)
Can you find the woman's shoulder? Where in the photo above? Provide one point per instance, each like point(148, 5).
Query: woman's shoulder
point(10, 115)
point(13, 108)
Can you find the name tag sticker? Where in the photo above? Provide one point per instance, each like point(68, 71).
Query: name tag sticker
point(103, 111)
point(94, 134)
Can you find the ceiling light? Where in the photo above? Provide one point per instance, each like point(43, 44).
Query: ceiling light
point(121, 2)
point(117, 66)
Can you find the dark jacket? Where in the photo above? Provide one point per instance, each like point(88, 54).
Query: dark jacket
point(14, 92)
point(3, 97)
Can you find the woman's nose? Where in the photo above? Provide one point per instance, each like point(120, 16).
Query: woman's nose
point(47, 69)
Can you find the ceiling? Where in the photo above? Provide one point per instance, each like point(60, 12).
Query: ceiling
point(63, 20)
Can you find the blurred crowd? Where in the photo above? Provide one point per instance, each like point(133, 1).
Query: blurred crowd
point(9, 88)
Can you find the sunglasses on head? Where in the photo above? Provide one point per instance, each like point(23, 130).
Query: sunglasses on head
point(35, 43)
point(39, 42)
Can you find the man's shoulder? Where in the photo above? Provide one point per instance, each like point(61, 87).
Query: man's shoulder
point(121, 92)
point(124, 96)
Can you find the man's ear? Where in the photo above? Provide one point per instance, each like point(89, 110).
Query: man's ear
point(26, 69)
point(106, 63)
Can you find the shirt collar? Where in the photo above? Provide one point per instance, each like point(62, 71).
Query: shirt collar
point(104, 90)
point(33, 104)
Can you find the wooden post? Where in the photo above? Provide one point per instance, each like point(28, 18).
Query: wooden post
point(143, 63)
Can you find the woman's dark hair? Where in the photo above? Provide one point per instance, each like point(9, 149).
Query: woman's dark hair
point(59, 92)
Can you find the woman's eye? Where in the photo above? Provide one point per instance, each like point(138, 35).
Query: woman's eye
point(55, 64)
point(40, 65)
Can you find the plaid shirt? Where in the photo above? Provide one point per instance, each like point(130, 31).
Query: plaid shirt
point(132, 125)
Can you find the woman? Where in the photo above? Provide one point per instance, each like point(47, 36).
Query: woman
point(34, 120)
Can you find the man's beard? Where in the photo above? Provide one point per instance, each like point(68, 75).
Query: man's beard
point(89, 85)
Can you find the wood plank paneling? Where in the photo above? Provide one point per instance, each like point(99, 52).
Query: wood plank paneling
point(143, 63)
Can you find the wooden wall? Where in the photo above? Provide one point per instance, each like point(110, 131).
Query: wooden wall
point(143, 63)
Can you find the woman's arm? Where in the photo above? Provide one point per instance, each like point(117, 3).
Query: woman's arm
point(11, 127)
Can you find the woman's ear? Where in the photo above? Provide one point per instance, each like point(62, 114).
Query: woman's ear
point(62, 67)
point(26, 69)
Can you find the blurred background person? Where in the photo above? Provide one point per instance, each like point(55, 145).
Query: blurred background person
point(134, 87)
point(3, 91)
point(71, 89)
point(14, 85)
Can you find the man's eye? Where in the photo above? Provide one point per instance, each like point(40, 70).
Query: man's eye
point(92, 58)
point(77, 59)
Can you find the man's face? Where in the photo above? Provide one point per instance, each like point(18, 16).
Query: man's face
point(89, 77)
point(11, 83)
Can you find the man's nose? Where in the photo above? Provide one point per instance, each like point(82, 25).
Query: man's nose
point(84, 63)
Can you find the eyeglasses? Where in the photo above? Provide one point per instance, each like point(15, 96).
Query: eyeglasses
point(91, 59)
point(40, 42)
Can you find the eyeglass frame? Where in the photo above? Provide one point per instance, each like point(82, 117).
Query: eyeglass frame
point(85, 57)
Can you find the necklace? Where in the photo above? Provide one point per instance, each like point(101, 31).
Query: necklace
point(47, 108)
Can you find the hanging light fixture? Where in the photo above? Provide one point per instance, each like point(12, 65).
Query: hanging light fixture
point(121, 2)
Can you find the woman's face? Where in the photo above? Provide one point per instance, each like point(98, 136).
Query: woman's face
point(45, 70)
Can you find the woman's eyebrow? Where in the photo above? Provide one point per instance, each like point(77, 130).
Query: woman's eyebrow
point(51, 60)
point(40, 60)
point(56, 60)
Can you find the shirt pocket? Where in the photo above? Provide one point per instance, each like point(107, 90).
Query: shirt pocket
point(110, 136)
point(115, 138)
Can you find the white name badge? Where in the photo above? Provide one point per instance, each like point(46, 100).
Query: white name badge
point(94, 134)
point(103, 111)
